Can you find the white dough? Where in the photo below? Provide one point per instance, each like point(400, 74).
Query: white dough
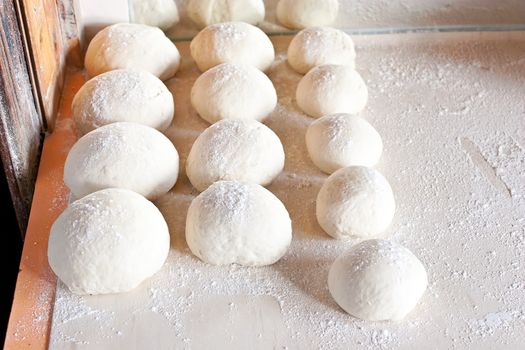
point(313, 47)
point(355, 202)
point(340, 140)
point(240, 150)
point(233, 91)
point(300, 14)
point(377, 280)
point(206, 12)
point(157, 13)
point(124, 155)
point(331, 89)
point(136, 46)
point(108, 242)
point(232, 42)
point(238, 223)
point(122, 95)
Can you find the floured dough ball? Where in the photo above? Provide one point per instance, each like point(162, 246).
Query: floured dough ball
point(331, 89)
point(355, 202)
point(307, 13)
point(240, 150)
point(238, 223)
point(314, 47)
point(206, 12)
point(232, 42)
point(122, 95)
point(157, 13)
point(136, 46)
point(233, 91)
point(377, 280)
point(108, 242)
point(340, 140)
point(123, 155)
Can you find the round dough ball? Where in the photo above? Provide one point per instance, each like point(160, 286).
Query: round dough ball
point(300, 14)
point(123, 155)
point(238, 223)
point(355, 202)
point(240, 150)
point(136, 46)
point(157, 13)
point(340, 140)
point(108, 242)
point(233, 91)
point(206, 12)
point(377, 280)
point(317, 46)
point(232, 42)
point(331, 89)
point(122, 95)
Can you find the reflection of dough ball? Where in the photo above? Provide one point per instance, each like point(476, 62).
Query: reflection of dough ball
point(233, 91)
point(206, 12)
point(355, 202)
point(232, 42)
point(377, 280)
point(331, 89)
point(157, 13)
point(340, 140)
point(122, 95)
point(238, 223)
point(314, 47)
point(108, 242)
point(124, 155)
point(135, 46)
point(240, 150)
point(307, 13)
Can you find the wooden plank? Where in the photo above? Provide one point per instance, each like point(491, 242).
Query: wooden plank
point(21, 125)
point(30, 319)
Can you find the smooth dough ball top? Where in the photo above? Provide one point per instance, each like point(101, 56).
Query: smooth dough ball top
point(318, 46)
point(238, 223)
point(240, 150)
point(300, 14)
point(377, 280)
point(355, 202)
point(331, 89)
point(206, 12)
point(232, 42)
point(122, 95)
point(123, 155)
point(233, 91)
point(136, 46)
point(158, 13)
point(340, 140)
point(108, 242)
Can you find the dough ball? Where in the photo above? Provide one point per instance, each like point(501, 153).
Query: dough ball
point(240, 150)
point(124, 155)
point(355, 202)
point(206, 12)
point(331, 89)
point(377, 280)
point(108, 242)
point(238, 223)
point(122, 95)
point(340, 140)
point(233, 91)
point(314, 47)
point(232, 42)
point(157, 13)
point(136, 46)
point(307, 13)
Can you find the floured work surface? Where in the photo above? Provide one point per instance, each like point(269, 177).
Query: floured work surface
point(451, 111)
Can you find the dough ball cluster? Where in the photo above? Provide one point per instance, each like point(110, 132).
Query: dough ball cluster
point(122, 95)
point(206, 12)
